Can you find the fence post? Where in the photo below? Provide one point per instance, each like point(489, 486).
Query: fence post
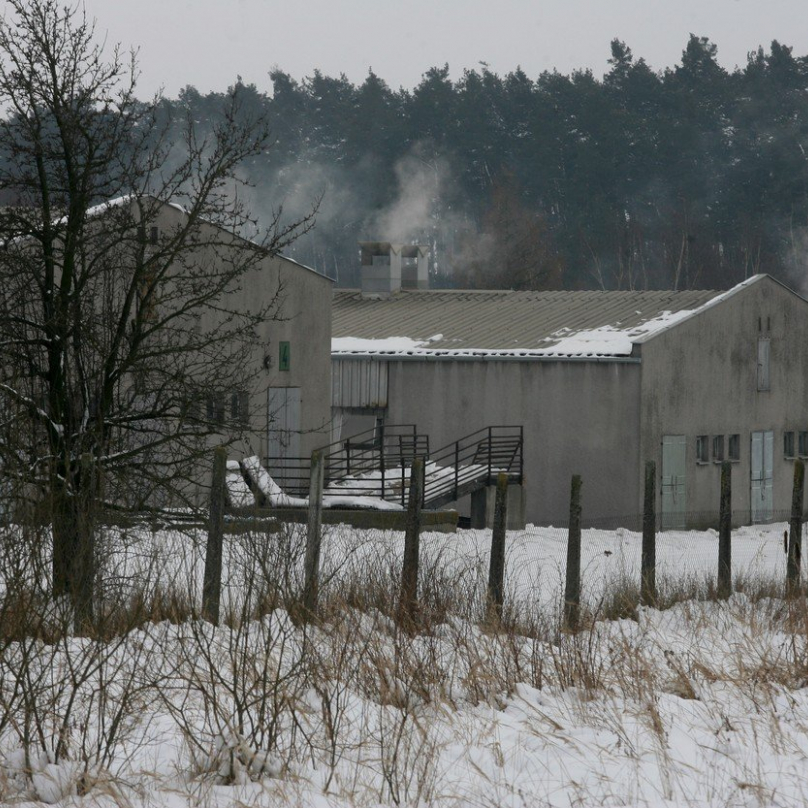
point(408, 599)
point(795, 531)
point(311, 566)
point(212, 583)
point(489, 456)
point(381, 458)
point(648, 559)
point(84, 562)
point(572, 590)
point(725, 533)
point(456, 466)
point(496, 569)
point(403, 483)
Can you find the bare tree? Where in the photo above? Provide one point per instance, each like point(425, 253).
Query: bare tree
point(115, 325)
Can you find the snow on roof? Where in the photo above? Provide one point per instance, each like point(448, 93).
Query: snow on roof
point(97, 210)
point(508, 324)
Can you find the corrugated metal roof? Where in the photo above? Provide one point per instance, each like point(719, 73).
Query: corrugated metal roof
point(508, 321)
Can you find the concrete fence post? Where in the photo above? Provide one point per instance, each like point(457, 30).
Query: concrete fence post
point(212, 582)
point(795, 531)
point(408, 599)
point(496, 569)
point(648, 558)
point(572, 590)
point(724, 588)
point(311, 565)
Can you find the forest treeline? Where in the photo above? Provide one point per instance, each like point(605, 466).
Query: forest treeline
point(695, 176)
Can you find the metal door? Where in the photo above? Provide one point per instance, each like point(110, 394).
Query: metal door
point(283, 450)
point(673, 481)
point(762, 455)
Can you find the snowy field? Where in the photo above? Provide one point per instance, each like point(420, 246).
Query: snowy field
point(701, 704)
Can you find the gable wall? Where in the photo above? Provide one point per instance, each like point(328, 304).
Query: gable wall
point(303, 319)
point(700, 378)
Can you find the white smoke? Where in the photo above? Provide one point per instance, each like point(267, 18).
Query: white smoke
point(422, 180)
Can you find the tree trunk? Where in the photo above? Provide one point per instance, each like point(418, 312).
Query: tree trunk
point(73, 527)
point(65, 538)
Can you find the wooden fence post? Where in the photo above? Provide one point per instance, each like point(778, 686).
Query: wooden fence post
point(496, 569)
point(311, 570)
point(648, 558)
point(408, 599)
point(795, 531)
point(572, 590)
point(212, 584)
point(725, 533)
point(84, 563)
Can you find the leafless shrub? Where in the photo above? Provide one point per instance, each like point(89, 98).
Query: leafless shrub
point(235, 692)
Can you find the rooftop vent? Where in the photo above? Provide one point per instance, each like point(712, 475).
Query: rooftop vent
point(387, 267)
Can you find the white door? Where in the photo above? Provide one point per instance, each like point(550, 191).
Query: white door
point(762, 475)
point(283, 431)
point(674, 450)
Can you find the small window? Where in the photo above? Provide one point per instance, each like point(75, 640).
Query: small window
point(214, 409)
point(285, 356)
point(702, 449)
point(788, 444)
point(239, 407)
point(718, 448)
point(802, 444)
point(154, 235)
point(734, 448)
point(763, 369)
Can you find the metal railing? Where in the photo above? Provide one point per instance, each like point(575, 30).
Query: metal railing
point(376, 463)
point(473, 462)
point(372, 463)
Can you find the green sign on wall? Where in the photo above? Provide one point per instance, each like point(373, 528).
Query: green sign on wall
point(285, 360)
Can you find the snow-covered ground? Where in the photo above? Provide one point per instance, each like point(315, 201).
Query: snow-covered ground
point(702, 704)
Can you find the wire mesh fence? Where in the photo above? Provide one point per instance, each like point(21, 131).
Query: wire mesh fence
point(364, 566)
point(454, 567)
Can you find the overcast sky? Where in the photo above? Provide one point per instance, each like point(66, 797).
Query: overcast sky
point(207, 43)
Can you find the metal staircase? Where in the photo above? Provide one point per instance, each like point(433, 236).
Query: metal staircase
point(376, 464)
point(472, 463)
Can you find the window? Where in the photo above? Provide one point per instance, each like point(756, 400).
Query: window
point(763, 369)
point(702, 450)
point(214, 408)
point(802, 444)
point(154, 235)
point(734, 448)
point(284, 357)
point(240, 407)
point(788, 444)
point(718, 448)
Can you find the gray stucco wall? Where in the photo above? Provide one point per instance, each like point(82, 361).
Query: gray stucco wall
point(700, 378)
point(304, 321)
point(302, 318)
point(578, 417)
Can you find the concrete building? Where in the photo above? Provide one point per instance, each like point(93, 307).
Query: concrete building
point(288, 410)
point(601, 381)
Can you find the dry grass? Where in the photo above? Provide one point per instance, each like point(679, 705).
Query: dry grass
point(260, 697)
